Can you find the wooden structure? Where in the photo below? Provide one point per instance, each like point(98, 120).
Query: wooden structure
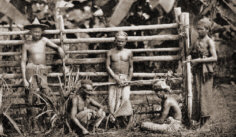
point(181, 25)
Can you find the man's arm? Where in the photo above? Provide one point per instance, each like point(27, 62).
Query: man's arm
point(213, 57)
point(74, 113)
point(95, 103)
point(109, 70)
point(23, 64)
point(53, 45)
point(130, 66)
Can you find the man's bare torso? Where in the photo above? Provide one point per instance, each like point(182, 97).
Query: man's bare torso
point(82, 104)
point(120, 61)
point(36, 51)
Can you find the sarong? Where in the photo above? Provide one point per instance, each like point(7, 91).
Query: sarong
point(174, 126)
point(202, 95)
point(119, 98)
point(89, 116)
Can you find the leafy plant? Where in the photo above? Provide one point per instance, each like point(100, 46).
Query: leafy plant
point(4, 88)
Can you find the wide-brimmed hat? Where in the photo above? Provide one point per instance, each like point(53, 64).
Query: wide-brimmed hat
point(35, 24)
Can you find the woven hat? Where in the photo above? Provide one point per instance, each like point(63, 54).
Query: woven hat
point(35, 24)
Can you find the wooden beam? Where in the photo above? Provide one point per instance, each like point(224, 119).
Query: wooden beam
point(108, 29)
point(95, 60)
point(174, 49)
point(99, 40)
point(98, 84)
point(91, 74)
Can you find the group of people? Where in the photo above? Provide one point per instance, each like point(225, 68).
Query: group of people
point(119, 65)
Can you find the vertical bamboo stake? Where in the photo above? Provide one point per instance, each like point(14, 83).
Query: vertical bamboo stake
point(188, 66)
point(62, 37)
point(177, 19)
point(1, 112)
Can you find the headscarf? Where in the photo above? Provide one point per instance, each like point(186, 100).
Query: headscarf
point(205, 22)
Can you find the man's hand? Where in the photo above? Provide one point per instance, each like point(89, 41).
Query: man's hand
point(26, 84)
point(85, 132)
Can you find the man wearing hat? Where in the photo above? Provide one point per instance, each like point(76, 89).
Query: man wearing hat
point(33, 65)
point(81, 113)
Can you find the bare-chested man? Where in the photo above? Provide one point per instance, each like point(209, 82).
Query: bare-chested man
point(81, 112)
point(119, 65)
point(33, 64)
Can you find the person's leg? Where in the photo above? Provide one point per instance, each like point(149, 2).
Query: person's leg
point(112, 98)
point(206, 100)
point(100, 116)
point(125, 94)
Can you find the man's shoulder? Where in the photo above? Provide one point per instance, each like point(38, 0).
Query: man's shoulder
point(111, 51)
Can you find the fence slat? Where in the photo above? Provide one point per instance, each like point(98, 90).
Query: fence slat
point(91, 74)
point(101, 51)
point(98, 84)
point(109, 29)
point(95, 60)
point(99, 40)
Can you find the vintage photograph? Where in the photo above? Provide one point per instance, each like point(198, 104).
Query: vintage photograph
point(117, 68)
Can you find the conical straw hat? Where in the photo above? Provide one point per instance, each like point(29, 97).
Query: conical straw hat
point(36, 23)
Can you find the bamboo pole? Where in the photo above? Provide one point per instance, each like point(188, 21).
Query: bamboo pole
point(98, 84)
point(188, 66)
point(174, 49)
point(92, 74)
point(95, 60)
point(100, 40)
point(109, 29)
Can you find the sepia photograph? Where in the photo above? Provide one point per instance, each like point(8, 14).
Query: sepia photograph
point(117, 68)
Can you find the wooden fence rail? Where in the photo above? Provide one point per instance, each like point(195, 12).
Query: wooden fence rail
point(95, 60)
point(99, 40)
point(174, 49)
point(92, 74)
point(108, 29)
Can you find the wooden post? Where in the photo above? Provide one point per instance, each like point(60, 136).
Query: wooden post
point(185, 21)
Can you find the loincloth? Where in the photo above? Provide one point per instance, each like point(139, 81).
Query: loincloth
point(36, 75)
point(121, 96)
point(88, 116)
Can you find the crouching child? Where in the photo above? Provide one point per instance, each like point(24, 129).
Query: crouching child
point(82, 114)
point(171, 116)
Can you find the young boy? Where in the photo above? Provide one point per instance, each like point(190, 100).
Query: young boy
point(168, 122)
point(119, 64)
point(33, 64)
point(81, 114)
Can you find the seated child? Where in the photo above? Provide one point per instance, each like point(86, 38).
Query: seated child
point(168, 122)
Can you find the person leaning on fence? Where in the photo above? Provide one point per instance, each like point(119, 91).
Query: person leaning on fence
point(203, 54)
point(170, 119)
point(119, 64)
point(82, 113)
point(33, 65)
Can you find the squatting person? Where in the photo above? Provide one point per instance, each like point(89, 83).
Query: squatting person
point(82, 113)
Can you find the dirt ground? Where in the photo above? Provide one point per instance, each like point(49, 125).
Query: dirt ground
point(223, 121)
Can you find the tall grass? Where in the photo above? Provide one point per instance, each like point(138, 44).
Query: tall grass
point(6, 90)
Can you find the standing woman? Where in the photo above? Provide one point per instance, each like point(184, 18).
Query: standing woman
point(203, 55)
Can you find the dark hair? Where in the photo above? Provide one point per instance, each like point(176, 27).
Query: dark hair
point(87, 81)
point(121, 33)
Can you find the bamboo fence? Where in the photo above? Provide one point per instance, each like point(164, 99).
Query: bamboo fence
point(182, 25)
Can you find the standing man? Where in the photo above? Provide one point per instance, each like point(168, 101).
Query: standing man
point(119, 64)
point(203, 54)
point(33, 66)
point(81, 113)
